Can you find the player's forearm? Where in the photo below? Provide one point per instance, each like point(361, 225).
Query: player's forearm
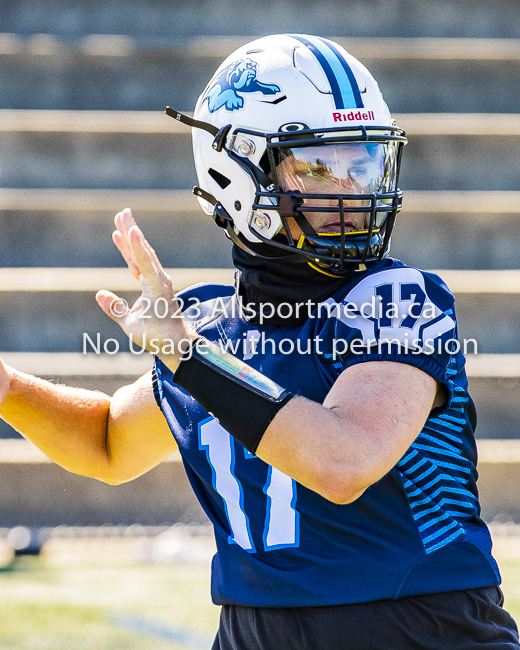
point(340, 448)
point(319, 448)
point(68, 424)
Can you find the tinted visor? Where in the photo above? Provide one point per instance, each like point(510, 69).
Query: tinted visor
point(347, 168)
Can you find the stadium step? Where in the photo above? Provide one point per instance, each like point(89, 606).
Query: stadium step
point(156, 122)
point(73, 227)
point(91, 149)
point(147, 150)
point(458, 230)
point(494, 381)
point(218, 47)
point(53, 310)
point(119, 279)
point(40, 227)
point(132, 366)
point(114, 72)
point(42, 494)
point(157, 18)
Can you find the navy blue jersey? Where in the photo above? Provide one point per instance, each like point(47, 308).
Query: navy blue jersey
point(416, 531)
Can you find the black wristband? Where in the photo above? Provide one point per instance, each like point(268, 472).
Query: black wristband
point(242, 399)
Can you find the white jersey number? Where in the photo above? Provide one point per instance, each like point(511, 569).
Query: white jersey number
point(281, 528)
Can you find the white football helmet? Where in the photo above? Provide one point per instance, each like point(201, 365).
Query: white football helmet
point(297, 155)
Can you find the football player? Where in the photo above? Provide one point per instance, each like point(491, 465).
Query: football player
point(320, 405)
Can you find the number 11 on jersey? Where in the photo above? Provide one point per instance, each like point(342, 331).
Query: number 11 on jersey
point(281, 527)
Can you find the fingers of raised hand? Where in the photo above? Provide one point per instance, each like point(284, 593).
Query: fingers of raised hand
point(123, 221)
point(126, 252)
point(147, 261)
point(140, 257)
point(131, 245)
point(113, 306)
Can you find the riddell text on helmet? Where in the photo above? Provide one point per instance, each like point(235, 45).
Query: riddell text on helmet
point(351, 116)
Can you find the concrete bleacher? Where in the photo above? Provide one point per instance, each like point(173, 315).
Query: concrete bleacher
point(82, 135)
point(36, 295)
point(93, 150)
point(151, 501)
point(36, 298)
point(47, 226)
point(119, 72)
point(494, 381)
point(163, 19)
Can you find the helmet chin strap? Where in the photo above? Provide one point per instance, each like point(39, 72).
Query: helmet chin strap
point(198, 191)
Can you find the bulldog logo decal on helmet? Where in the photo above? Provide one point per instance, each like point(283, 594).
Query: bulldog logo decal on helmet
point(239, 77)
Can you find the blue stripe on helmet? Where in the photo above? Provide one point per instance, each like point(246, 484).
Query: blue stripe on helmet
point(342, 82)
point(353, 83)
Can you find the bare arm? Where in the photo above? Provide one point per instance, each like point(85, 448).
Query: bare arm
point(368, 420)
point(113, 439)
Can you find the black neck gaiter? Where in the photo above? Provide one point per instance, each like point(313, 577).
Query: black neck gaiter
point(263, 282)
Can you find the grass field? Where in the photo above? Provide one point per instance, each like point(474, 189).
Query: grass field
point(511, 587)
point(127, 605)
point(97, 606)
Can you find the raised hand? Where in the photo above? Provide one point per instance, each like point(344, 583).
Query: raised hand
point(142, 321)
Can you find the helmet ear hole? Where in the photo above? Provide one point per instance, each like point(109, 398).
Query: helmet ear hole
point(220, 179)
